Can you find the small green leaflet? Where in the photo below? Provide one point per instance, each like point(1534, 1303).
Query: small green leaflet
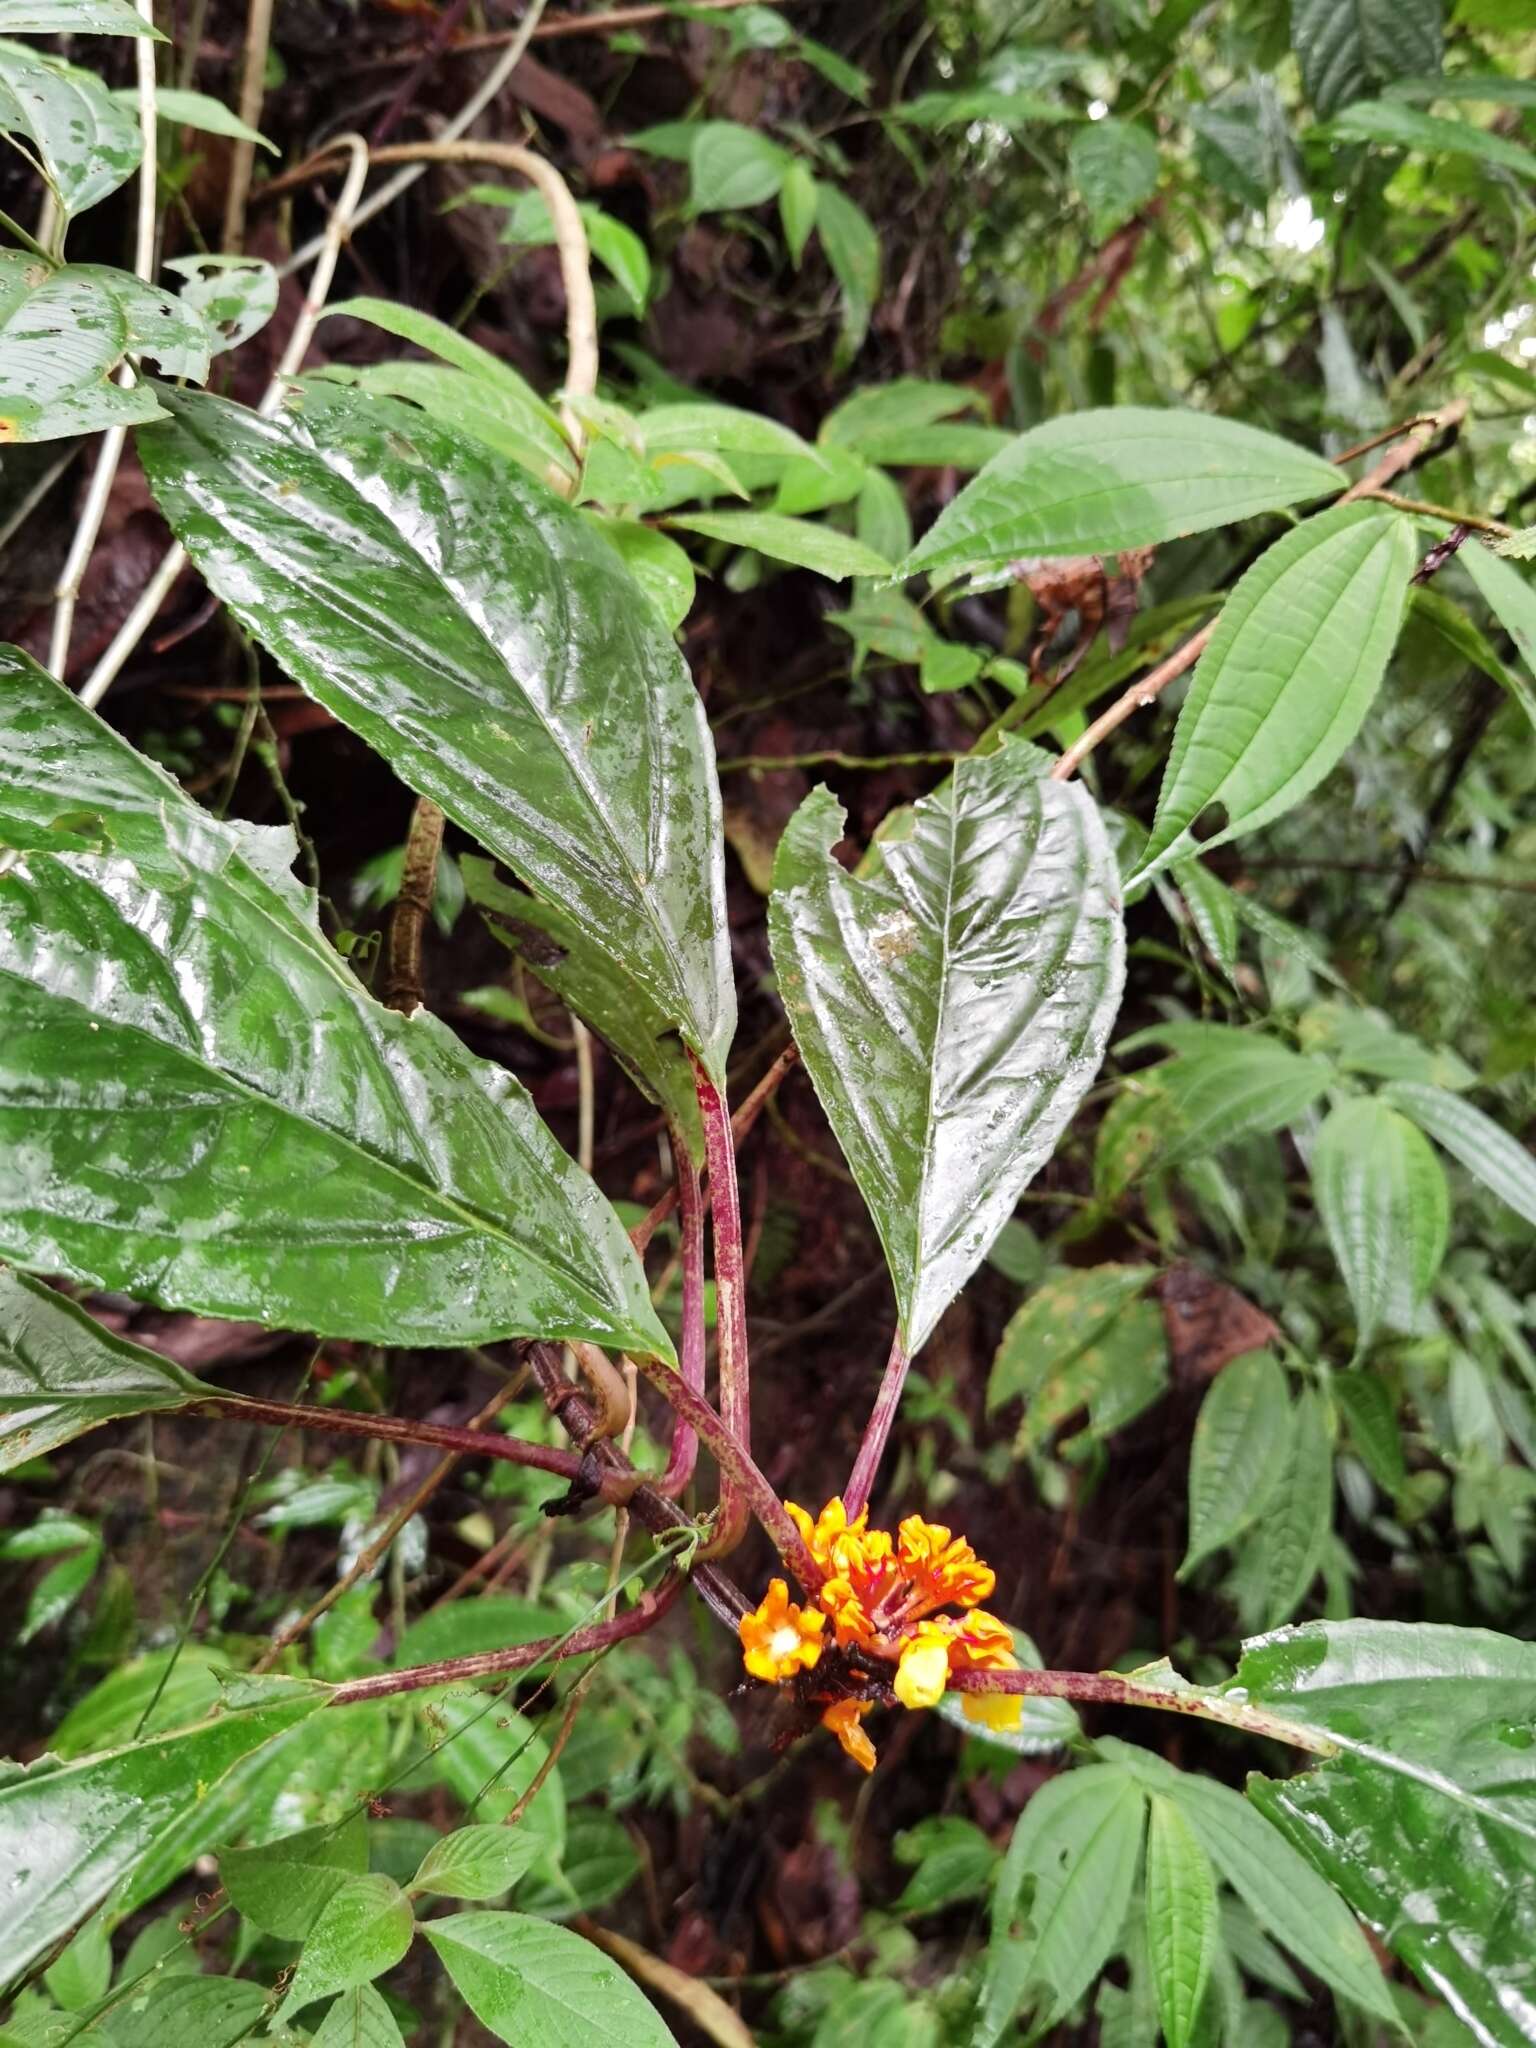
point(1119, 477)
point(1382, 1196)
point(539, 1986)
point(1513, 603)
point(797, 541)
point(1114, 166)
point(1298, 654)
point(1292, 1535)
point(952, 1009)
point(363, 1929)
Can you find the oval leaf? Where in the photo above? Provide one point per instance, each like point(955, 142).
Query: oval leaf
point(1116, 477)
point(952, 1009)
point(1237, 1453)
point(492, 647)
point(538, 1986)
point(1385, 1205)
point(1298, 653)
point(308, 1159)
point(363, 1930)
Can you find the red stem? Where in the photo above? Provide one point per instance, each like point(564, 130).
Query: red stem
point(520, 1657)
point(741, 1124)
point(685, 1441)
point(730, 1305)
point(473, 1443)
point(877, 1430)
point(1105, 1689)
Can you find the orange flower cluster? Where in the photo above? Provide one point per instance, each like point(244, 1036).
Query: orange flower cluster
point(883, 1596)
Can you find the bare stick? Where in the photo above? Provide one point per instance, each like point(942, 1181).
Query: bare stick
point(730, 1303)
point(155, 592)
point(242, 162)
point(1402, 455)
point(685, 1443)
point(877, 1430)
point(402, 982)
point(94, 510)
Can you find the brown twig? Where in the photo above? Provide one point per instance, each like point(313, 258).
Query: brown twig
point(402, 981)
point(242, 160)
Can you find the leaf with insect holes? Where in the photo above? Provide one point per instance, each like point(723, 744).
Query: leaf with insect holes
point(492, 647)
point(1297, 656)
point(952, 1009)
point(85, 142)
point(301, 1155)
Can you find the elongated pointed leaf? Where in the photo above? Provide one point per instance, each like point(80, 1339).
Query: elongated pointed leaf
point(1513, 603)
point(493, 649)
point(1183, 1933)
point(1399, 127)
point(1383, 1199)
point(74, 18)
point(68, 1832)
point(1224, 1090)
point(199, 1103)
point(1294, 1531)
point(1117, 477)
point(61, 1373)
point(1489, 1153)
point(1297, 656)
point(531, 1983)
point(952, 1009)
point(798, 541)
point(1237, 1454)
point(83, 140)
point(1431, 1800)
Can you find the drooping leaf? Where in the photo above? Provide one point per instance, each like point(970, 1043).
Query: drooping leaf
point(1298, 654)
point(1295, 1529)
point(1237, 1453)
point(493, 648)
point(70, 1831)
point(953, 1009)
point(618, 248)
point(1399, 127)
point(1291, 1902)
point(1382, 1196)
point(538, 1986)
point(798, 541)
point(197, 110)
point(1488, 1152)
point(63, 331)
point(852, 248)
point(1183, 1933)
point(1513, 603)
point(1114, 166)
point(83, 140)
point(61, 1373)
point(363, 1929)
point(1432, 1798)
point(797, 209)
point(1117, 477)
point(1347, 50)
point(660, 567)
point(1373, 1427)
point(310, 1159)
point(1061, 1896)
point(1224, 1090)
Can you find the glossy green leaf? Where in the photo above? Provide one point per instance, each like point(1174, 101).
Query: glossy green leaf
point(1061, 1896)
point(202, 2012)
point(952, 1009)
point(61, 1373)
point(1381, 1193)
point(1513, 603)
point(1399, 127)
point(1298, 654)
point(492, 647)
point(1486, 1150)
point(1183, 1933)
point(476, 1862)
point(1119, 477)
point(82, 139)
point(798, 541)
point(283, 1886)
point(1346, 50)
point(553, 947)
point(538, 1986)
point(851, 246)
point(70, 1831)
point(733, 167)
point(74, 17)
point(1300, 1515)
point(1114, 166)
point(1237, 1453)
point(233, 296)
point(63, 331)
point(358, 2019)
point(433, 1205)
point(1212, 912)
point(1432, 1798)
point(363, 1929)
point(197, 110)
point(1290, 1901)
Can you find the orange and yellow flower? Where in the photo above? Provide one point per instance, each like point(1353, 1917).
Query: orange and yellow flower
point(885, 1597)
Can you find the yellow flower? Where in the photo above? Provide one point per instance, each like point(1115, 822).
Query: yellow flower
point(984, 1643)
point(778, 1638)
point(923, 1670)
point(843, 1719)
point(993, 1709)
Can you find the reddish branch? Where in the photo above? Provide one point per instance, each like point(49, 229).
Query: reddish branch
point(741, 1123)
point(685, 1441)
point(877, 1430)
